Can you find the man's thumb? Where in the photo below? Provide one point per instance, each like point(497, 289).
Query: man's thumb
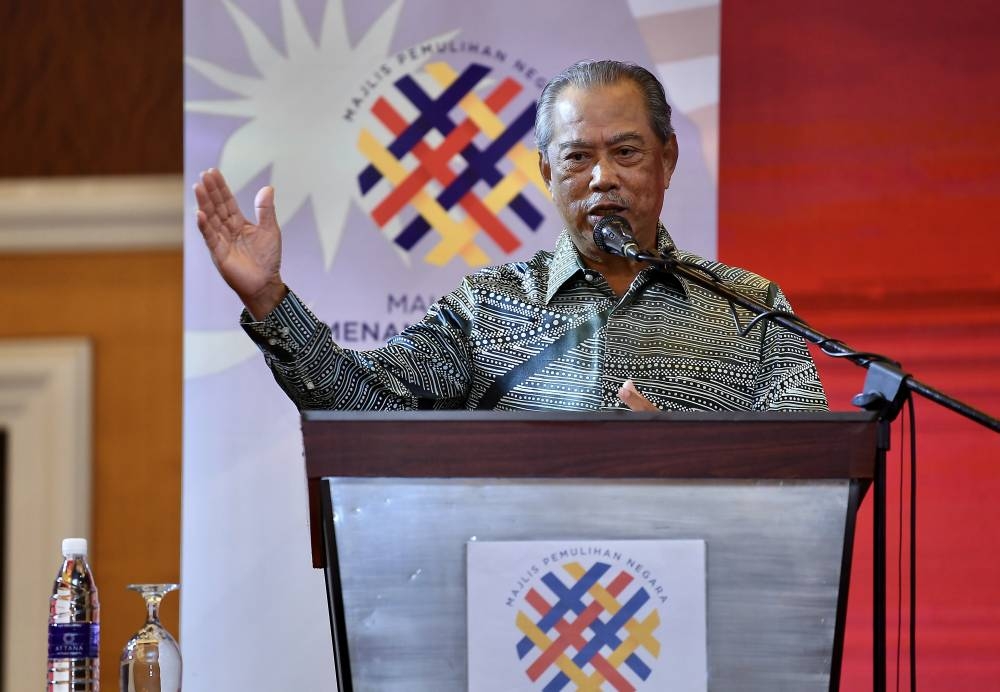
point(264, 205)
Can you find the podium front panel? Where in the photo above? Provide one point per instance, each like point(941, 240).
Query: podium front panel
point(774, 555)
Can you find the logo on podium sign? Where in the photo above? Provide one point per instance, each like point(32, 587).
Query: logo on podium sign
point(609, 615)
point(584, 626)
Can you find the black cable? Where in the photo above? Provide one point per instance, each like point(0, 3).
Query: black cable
point(765, 316)
point(845, 352)
point(913, 544)
point(711, 273)
point(899, 554)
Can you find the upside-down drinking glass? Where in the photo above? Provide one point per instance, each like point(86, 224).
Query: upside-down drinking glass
point(151, 660)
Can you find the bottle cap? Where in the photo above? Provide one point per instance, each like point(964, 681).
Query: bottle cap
point(74, 546)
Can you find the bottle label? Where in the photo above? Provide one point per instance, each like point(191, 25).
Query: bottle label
point(74, 639)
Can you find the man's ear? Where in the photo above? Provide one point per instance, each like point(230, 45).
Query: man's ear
point(545, 169)
point(669, 160)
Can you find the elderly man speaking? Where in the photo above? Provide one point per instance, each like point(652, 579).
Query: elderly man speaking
point(575, 328)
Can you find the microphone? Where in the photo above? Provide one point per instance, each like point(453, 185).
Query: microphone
point(613, 234)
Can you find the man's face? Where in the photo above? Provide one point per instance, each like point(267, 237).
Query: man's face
point(604, 158)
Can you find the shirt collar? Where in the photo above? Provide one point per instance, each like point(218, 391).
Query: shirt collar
point(566, 261)
point(565, 264)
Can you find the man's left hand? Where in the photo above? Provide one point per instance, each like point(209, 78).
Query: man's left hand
point(632, 398)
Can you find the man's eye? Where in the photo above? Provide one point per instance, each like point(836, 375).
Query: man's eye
point(575, 156)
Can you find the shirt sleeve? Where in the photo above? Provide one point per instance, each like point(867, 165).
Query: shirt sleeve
point(426, 366)
point(787, 379)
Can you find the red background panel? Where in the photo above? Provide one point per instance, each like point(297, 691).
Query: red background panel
point(860, 168)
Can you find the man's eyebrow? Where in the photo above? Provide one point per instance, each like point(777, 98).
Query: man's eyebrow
point(613, 141)
point(574, 144)
point(624, 137)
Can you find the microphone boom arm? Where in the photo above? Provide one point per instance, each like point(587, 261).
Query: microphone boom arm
point(888, 379)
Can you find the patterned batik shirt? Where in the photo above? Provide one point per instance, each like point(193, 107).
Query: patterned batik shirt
point(550, 334)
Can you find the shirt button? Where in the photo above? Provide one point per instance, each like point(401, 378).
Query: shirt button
point(272, 341)
point(588, 277)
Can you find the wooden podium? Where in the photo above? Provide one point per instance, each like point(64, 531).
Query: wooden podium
point(395, 498)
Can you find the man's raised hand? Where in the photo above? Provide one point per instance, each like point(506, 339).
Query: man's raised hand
point(248, 256)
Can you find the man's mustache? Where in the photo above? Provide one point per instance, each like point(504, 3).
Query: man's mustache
point(607, 199)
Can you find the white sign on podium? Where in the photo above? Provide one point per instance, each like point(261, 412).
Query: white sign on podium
point(594, 615)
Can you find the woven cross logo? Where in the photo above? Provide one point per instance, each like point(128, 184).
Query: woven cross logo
point(592, 631)
point(456, 164)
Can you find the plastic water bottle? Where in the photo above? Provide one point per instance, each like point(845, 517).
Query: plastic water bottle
point(74, 624)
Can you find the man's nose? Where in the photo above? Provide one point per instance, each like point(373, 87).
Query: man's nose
point(603, 176)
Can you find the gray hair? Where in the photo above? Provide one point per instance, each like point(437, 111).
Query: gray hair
point(588, 74)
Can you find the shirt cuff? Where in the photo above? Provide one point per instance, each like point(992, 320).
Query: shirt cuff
point(285, 331)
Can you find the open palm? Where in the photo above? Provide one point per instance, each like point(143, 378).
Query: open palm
point(247, 255)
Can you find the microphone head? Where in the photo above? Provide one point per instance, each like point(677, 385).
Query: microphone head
point(612, 233)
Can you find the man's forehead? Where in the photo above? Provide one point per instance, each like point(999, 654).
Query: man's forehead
point(620, 103)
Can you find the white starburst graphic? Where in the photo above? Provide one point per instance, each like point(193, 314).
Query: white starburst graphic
point(295, 109)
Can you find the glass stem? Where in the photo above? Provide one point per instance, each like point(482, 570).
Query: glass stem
point(153, 608)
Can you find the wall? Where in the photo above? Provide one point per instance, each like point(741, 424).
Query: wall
point(860, 167)
point(90, 89)
point(128, 305)
point(96, 90)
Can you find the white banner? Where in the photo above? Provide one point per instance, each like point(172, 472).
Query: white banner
point(342, 105)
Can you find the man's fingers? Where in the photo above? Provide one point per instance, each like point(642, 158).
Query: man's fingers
point(215, 197)
point(213, 233)
point(208, 218)
point(202, 221)
point(224, 204)
point(228, 197)
point(201, 196)
point(206, 209)
point(632, 398)
point(264, 205)
point(204, 225)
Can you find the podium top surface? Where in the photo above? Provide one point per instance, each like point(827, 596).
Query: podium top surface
point(457, 444)
point(618, 415)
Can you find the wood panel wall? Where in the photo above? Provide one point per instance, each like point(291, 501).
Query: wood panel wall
point(90, 88)
point(96, 89)
point(129, 306)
